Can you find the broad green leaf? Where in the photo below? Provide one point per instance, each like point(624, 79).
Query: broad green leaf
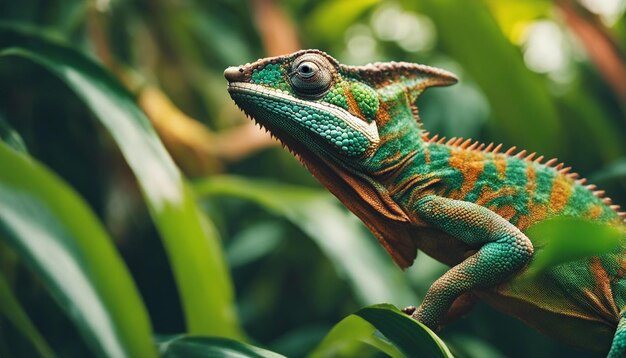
point(62, 241)
point(211, 347)
point(338, 233)
point(191, 242)
point(347, 336)
point(11, 308)
point(405, 337)
point(519, 101)
point(564, 239)
point(410, 336)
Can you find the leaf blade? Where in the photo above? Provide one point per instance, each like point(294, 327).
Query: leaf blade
point(190, 240)
point(410, 336)
point(211, 347)
point(11, 308)
point(60, 239)
point(406, 337)
point(346, 335)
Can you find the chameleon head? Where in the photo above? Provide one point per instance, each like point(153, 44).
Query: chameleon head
point(308, 98)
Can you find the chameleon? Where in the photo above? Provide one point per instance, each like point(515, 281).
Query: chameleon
point(464, 203)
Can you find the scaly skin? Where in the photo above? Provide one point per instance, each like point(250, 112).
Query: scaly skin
point(465, 204)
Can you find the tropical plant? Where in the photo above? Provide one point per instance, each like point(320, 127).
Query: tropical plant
point(141, 214)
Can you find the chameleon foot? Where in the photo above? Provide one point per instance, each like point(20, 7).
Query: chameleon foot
point(409, 310)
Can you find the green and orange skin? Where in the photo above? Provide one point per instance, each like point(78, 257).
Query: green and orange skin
point(465, 204)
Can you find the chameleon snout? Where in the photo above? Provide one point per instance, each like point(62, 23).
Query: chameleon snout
point(234, 74)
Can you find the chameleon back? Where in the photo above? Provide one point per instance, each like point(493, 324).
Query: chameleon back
point(465, 204)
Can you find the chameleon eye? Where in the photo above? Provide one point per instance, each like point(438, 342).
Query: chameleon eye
point(307, 69)
point(311, 76)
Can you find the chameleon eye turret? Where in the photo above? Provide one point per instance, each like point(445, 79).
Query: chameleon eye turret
point(288, 94)
point(311, 75)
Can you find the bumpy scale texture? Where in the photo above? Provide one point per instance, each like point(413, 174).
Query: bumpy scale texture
point(465, 203)
point(272, 75)
point(504, 250)
point(337, 96)
point(336, 132)
point(366, 98)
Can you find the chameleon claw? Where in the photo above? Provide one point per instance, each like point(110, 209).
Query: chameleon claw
point(409, 310)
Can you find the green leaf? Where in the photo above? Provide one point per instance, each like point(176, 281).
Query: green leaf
point(405, 337)
point(564, 239)
point(61, 240)
point(410, 336)
point(11, 308)
point(347, 336)
point(338, 233)
point(191, 242)
point(211, 347)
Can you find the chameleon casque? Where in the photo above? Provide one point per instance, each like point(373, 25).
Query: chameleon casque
point(464, 203)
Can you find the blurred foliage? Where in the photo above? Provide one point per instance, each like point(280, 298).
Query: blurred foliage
point(87, 170)
point(372, 276)
point(564, 239)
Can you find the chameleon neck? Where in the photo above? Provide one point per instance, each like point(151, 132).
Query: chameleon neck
point(400, 139)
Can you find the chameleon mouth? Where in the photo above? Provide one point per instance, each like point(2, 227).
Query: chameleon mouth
point(368, 130)
point(296, 148)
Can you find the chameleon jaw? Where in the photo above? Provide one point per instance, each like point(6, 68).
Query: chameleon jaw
point(368, 130)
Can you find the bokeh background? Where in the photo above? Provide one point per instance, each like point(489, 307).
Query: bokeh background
point(545, 76)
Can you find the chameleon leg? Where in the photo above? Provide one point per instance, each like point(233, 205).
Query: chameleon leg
point(618, 347)
point(503, 251)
